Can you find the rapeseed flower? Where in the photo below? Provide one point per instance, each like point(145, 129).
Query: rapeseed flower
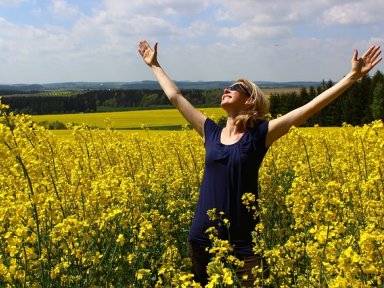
point(101, 208)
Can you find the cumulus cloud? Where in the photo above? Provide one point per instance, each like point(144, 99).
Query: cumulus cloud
point(11, 2)
point(327, 12)
point(265, 12)
point(63, 9)
point(249, 31)
point(154, 7)
point(355, 13)
point(254, 37)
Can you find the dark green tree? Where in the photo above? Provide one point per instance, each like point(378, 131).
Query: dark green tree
point(377, 106)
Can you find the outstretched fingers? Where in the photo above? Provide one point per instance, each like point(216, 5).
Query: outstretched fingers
point(371, 56)
point(375, 57)
point(143, 46)
point(148, 53)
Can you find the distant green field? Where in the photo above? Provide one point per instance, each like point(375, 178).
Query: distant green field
point(165, 119)
point(159, 122)
point(48, 93)
point(66, 134)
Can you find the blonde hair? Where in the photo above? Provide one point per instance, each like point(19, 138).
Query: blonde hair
point(255, 113)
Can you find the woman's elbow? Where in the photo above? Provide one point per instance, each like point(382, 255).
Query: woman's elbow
point(177, 99)
point(174, 98)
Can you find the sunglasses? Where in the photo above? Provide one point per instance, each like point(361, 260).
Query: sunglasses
point(239, 87)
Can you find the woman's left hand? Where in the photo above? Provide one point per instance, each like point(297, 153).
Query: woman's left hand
point(362, 66)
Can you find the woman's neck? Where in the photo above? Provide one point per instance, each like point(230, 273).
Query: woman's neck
point(231, 133)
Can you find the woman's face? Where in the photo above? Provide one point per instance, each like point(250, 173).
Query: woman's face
point(235, 97)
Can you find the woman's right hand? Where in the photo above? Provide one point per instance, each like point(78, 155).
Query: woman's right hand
point(149, 55)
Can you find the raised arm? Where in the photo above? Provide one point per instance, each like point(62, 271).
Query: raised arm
point(360, 67)
point(192, 115)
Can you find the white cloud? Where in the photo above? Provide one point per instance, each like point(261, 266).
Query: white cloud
point(354, 13)
point(11, 2)
point(265, 12)
point(249, 31)
point(63, 9)
point(154, 7)
point(327, 12)
point(199, 40)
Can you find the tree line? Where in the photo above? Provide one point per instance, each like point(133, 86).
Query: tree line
point(37, 104)
point(362, 103)
point(103, 100)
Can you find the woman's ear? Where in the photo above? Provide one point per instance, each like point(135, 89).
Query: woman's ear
point(250, 101)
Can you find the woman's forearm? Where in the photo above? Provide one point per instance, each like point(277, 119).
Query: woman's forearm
point(193, 116)
point(169, 87)
point(330, 94)
point(281, 125)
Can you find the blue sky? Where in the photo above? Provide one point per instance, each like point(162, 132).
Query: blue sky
point(276, 40)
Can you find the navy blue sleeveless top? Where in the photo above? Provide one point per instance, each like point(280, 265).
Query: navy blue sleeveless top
point(230, 171)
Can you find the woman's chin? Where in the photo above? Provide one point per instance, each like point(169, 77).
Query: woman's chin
point(225, 105)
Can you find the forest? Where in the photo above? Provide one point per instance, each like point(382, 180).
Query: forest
point(360, 104)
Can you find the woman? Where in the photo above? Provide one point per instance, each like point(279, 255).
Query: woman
point(234, 153)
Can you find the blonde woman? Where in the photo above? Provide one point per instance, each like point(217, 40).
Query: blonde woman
point(234, 153)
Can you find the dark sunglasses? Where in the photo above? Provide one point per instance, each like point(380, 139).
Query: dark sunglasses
point(239, 87)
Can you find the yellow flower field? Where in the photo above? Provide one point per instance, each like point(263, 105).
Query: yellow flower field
point(106, 209)
point(126, 119)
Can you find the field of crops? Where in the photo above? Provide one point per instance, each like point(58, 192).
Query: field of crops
point(106, 209)
point(156, 119)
